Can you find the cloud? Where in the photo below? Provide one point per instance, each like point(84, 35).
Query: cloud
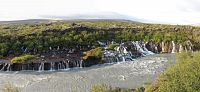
point(189, 6)
point(157, 11)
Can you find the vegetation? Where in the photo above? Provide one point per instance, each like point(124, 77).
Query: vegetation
point(106, 88)
point(182, 77)
point(112, 46)
point(94, 55)
point(10, 88)
point(36, 38)
point(23, 58)
point(101, 88)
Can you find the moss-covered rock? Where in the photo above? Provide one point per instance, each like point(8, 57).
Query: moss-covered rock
point(23, 58)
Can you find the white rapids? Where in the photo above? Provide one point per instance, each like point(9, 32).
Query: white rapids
point(129, 74)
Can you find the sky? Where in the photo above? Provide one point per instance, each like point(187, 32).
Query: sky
point(155, 11)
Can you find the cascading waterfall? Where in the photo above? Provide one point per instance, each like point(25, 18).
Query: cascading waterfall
point(50, 48)
point(146, 50)
point(121, 52)
point(143, 50)
point(8, 67)
point(125, 51)
point(66, 65)
point(139, 49)
point(123, 59)
point(186, 49)
point(180, 48)
point(41, 67)
point(156, 48)
point(173, 47)
point(2, 69)
point(190, 48)
point(25, 49)
point(163, 47)
point(58, 48)
point(81, 63)
point(59, 66)
point(52, 66)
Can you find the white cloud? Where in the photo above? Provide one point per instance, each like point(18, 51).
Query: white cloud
point(162, 11)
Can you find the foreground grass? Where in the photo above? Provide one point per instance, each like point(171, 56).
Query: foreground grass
point(10, 88)
point(106, 88)
point(182, 77)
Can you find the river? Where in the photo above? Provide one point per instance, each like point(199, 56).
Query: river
point(128, 74)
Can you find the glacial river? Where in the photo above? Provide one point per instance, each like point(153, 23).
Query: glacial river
point(129, 74)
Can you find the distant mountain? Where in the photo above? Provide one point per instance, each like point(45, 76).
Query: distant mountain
point(100, 15)
point(82, 16)
point(24, 21)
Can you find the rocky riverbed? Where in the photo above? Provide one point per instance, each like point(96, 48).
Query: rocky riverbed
point(128, 74)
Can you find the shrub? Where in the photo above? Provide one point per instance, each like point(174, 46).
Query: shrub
point(106, 88)
point(182, 77)
point(23, 58)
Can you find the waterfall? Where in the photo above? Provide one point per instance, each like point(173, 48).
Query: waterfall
point(2, 69)
point(163, 47)
point(146, 50)
point(118, 49)
point(66, 65)
point(123, 59)
point(101, 43)
point(156, 48)
point(25, 50)
point(186, 49)
point(41, 67)
point(81, 64)
point(58, 48)
point(124, 50)
point(190, 48)
point(50, 48)
point(173, 47)
point(52, 66)
point(180, 48)
point(8, 67)
point(139, 48)
point(59, 66)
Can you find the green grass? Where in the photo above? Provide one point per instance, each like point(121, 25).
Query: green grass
point(107, 88)
point(184, 76)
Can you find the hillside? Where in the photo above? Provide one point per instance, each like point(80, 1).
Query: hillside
point(42, 35)
point(84, 42)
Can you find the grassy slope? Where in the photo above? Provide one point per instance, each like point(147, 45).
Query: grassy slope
point(182, 77)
